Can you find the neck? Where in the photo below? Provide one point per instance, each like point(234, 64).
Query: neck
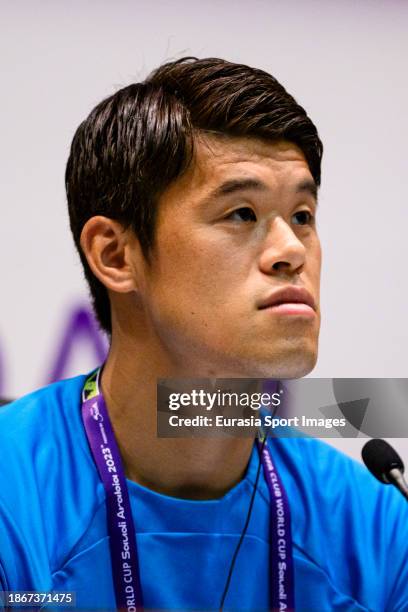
point(199, 468)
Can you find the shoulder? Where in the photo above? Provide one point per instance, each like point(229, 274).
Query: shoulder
point(42, 424)
point(329, 480)
point(49, 487)
point(46, 404)
point(345, 521)
point(329, 473)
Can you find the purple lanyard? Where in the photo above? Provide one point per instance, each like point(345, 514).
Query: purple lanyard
point(121, 529)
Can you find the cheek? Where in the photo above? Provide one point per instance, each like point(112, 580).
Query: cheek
point(202, 264)
point(315, 261)
point(315, 273)
point(319, 263)
point(200, 278)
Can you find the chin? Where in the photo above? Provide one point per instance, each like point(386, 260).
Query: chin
point(285, 366)
point(296, 370)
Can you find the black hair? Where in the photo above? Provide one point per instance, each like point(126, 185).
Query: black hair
point(136, 142)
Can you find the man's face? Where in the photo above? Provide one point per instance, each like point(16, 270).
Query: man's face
point(234, 229)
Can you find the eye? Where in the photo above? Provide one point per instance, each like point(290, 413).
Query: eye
point(303, 217)
point(245, 214)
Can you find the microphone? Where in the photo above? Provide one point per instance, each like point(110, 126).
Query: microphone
point(385, 464)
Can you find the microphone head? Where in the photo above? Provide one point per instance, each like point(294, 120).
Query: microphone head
point(380, 458)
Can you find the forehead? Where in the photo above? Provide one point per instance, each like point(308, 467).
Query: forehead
point(221, 158)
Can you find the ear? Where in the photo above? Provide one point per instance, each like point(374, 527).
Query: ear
point(107, 247)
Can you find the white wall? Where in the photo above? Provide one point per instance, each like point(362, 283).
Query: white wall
point(345, 62)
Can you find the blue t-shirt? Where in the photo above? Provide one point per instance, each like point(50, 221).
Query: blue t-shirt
point(350, 533)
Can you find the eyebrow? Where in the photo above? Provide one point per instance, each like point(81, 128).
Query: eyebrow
point(232, 186)
point(307, 186)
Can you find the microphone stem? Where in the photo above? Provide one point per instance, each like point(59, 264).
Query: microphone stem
point(396, 477)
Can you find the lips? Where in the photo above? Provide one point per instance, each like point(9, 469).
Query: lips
point(288, 295)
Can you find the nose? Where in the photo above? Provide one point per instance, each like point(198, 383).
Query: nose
point(282, 250)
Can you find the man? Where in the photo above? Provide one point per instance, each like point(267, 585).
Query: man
point(192, 199)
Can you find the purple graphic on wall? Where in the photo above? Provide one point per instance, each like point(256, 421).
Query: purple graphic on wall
point(81, 325)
